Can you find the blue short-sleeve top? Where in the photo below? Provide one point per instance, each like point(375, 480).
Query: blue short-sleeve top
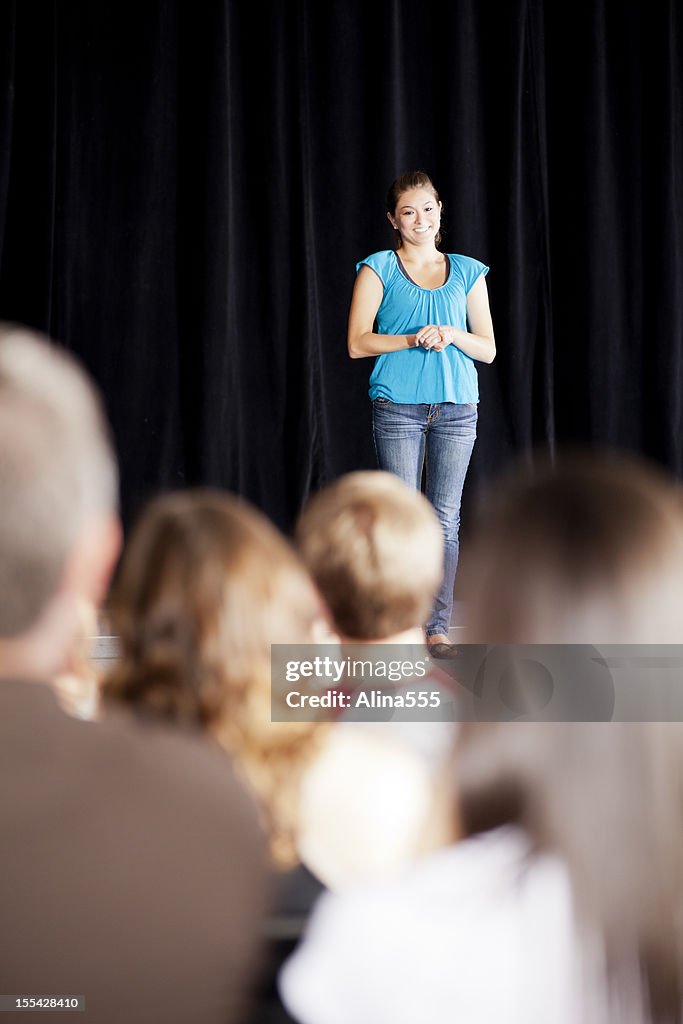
point(422, 376)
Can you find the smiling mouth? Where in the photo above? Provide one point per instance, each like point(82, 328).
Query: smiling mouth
point(421, 230)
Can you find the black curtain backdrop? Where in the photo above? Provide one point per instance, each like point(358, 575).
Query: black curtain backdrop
point(185, 189)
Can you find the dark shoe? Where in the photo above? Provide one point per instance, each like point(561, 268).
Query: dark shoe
point(442, 650)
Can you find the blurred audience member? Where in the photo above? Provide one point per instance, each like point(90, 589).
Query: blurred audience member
point(375, 549)
point(590, 552)
point(205, 587)
point(130, 861)
point(374, 546)
point(564, 900)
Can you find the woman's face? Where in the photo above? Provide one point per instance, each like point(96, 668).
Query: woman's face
point(417, 216)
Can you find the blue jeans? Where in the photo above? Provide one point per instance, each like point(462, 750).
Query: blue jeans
point(440, 438)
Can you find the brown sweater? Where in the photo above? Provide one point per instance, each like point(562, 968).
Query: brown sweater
point(131, 868)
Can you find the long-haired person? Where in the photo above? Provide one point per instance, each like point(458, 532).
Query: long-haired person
point(206, 585)
point(424, 314)
point(562, 897)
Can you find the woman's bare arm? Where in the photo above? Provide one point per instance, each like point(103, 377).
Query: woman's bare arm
point(367, 298)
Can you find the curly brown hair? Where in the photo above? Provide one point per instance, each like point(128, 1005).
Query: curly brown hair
point(205, 586)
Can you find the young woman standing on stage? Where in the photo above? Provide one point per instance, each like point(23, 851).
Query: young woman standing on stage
point(433, 321)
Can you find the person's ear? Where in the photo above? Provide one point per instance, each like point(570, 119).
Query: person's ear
point(392, 221)
point(91, 565)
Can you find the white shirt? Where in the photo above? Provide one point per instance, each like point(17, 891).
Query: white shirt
point(475, 933)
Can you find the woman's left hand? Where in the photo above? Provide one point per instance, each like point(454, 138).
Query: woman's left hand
point(432, 336)
point(478, 342)
point(447, 336)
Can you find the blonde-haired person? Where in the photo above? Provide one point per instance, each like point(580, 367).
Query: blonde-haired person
point(374, 547)
point(563, 899)
point(206, 585)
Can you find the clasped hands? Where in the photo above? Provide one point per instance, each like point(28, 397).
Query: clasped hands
point(436, 337)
